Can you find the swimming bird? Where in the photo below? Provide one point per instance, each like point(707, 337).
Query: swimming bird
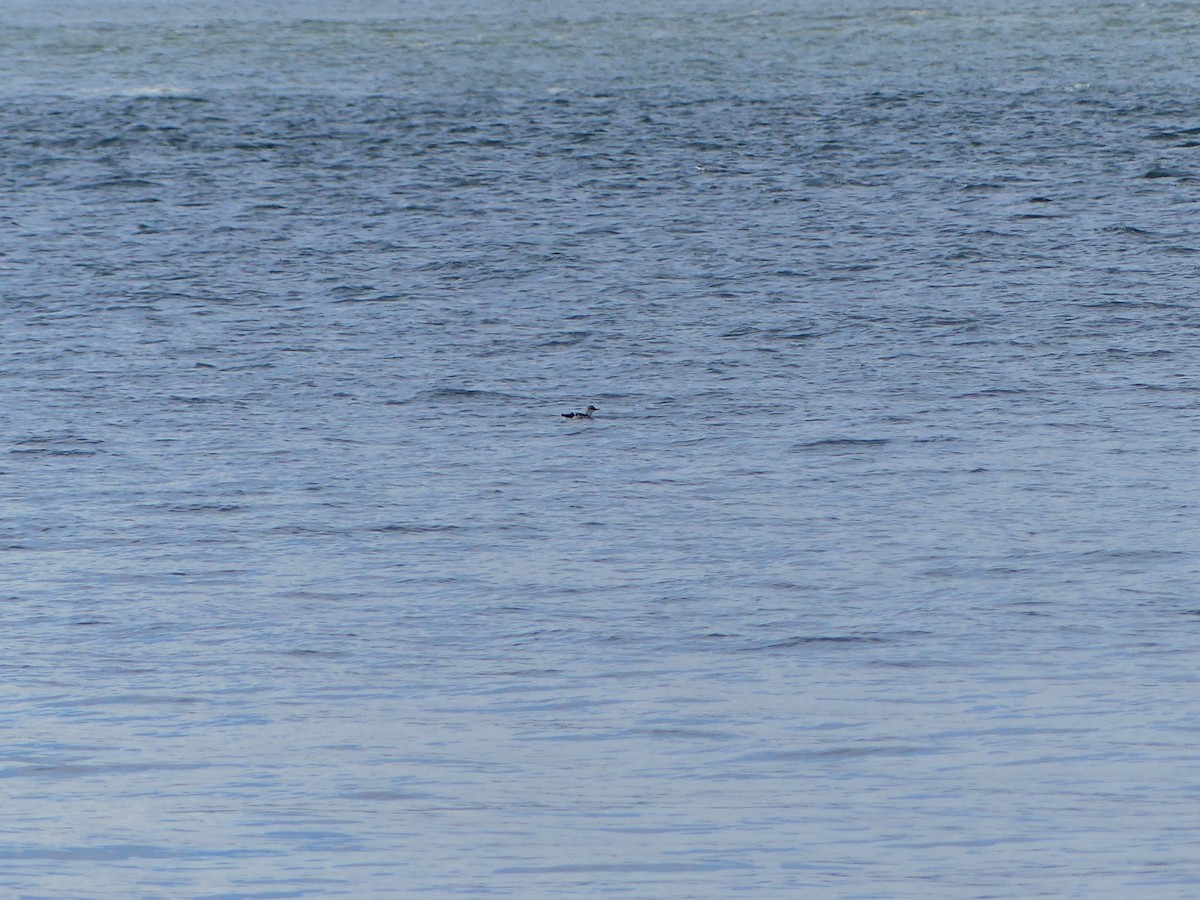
point(582, 415)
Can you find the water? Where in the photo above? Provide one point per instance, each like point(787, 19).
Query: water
point(874, 577)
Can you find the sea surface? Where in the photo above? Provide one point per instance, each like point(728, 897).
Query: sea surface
point(877, 574)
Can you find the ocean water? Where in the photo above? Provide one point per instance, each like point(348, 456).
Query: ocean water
point(876, 574)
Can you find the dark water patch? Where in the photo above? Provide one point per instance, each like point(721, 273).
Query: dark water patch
point(415, 528)
point(998, 392)
point(200, 401)
point(309, 653)
point(789, 335)
point(115, 853)
point(1039, 216)
point(834, 754)
point(835, 445)
point(683, 733)
point(130, 700)
point(461, 396)
point(87, 770)
point(1174, 134)
point(1124, 352)
point(1132, 554)
point(1163, 172)
point(53, 451)
point(1135, 301)
point(390, 796)
point(116, 183)
point(639, 868)
point(370, 296)
point(64, 441)
point(808, 640)
point(567, 339)
point(1130, 231)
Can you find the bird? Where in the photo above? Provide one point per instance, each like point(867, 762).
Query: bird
point(583, 415)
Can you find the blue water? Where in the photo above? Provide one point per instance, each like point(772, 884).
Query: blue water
point(874, 576)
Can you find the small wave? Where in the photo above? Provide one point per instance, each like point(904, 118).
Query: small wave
point(1131, 230)
point(415, 528)
point(1162, 172)
point(118, 182)
point(834, 753)
point(458, 395)
point(664, 868)
point(994, 392)
point(1131, 554)
point(806, 639)
point(787, 335)
point(56, 445)
point(567, 339)
point(179, 398)
point(1174, 134)
point(60, 771)
point(838, 444)
point(1123, 352)
point(50, 451)
point(1165, 388)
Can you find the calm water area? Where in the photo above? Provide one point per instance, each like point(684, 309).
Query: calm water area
point(876, 574)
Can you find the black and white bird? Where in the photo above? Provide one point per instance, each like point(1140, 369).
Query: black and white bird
point(587, 414)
